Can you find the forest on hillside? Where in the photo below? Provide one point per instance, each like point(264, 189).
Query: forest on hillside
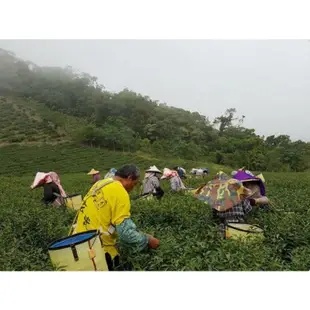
point(132, 122)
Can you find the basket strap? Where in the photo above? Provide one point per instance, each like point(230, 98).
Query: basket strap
point(74, 252)
point(101, 186)
point(244, 230)
point(84, 201)
point(92, 254)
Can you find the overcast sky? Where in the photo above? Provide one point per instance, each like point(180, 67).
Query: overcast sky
point(267, 81)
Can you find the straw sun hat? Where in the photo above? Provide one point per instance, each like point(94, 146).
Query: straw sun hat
point(153, 169)
point(92, 172)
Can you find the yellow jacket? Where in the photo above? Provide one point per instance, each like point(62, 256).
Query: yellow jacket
point(106, 205)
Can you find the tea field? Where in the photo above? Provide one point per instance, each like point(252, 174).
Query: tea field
point(189, 237)
point(27, 121)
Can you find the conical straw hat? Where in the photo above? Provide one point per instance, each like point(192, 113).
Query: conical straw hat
point(92, 172)
point(153, 169)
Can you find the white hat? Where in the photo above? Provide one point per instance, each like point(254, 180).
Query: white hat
point(153, 169)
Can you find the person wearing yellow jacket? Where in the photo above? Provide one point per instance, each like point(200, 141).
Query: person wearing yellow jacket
point(107, 207)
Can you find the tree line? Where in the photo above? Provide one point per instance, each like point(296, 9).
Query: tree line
point(129, 121)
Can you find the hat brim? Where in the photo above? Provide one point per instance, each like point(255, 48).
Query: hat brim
point(250, 180)
point(155, 171)
point(260, 182)
point(92, 172)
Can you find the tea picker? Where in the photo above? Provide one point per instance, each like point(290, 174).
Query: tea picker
point(151, 184)
point(53, 191)
point(230, 202)
point(176, 184)
point(95, 175)
point(105, 212)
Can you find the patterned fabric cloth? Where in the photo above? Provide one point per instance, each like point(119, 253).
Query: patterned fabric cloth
point(53, 177)
point(222, 193)
point(150, 184)
point(169, 173)
point(128, 236)
point(176, 184)
point(236, 214)
point(43, 178)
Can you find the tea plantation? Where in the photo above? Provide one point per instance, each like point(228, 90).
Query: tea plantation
point(189, 237)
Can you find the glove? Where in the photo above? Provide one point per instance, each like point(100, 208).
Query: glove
point(252, 202)
point(153, 242)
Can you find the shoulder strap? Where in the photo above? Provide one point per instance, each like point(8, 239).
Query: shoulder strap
point(97, 188)
point(111, 228)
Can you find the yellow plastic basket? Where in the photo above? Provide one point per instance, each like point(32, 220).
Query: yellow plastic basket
point(242, 231)
point(79, 252)
point(74, 201)
point(190, 191)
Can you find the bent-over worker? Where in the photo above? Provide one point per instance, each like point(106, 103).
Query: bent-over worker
point(255, 197)
point(256, 185)
point(176, 183)
point(53, 192)
point(107, 207)
point(181, 172)
point(151, 184)
point(95, 175)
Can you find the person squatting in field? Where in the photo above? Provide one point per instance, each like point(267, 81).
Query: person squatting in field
point(95, 175)
point(256, 185)
point(256, 197)
point(176, 183)
point(107, 207)
point(53, 192)
point(151, 183)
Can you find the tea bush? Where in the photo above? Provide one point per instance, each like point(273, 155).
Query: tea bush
point(68, 158)
point(189, 237)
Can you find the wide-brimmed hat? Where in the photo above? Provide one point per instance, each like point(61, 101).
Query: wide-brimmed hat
point(153, 169)
point(92, 172)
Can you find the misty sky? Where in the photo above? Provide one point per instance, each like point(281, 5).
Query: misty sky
point(267, 81)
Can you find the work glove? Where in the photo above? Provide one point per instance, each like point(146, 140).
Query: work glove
point(153, 242)
point(252, 202)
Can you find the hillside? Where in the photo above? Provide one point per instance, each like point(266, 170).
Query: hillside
point(53, 105)
point(27, 124)
point(27, 121)
point(68, 158)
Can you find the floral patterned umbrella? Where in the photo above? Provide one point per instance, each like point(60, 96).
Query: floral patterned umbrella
point(222, 193)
